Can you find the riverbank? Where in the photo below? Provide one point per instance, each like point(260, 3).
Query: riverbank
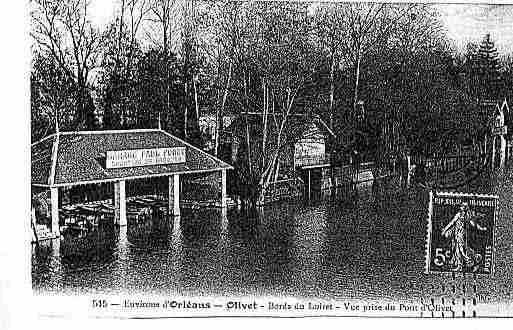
point(371, 245)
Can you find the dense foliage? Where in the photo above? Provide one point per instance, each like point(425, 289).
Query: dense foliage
point(383, 76)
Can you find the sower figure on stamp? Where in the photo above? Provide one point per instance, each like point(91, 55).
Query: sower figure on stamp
point(463, 256)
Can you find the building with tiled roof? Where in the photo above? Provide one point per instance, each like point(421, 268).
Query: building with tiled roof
point(68, 159)
point(71, 158)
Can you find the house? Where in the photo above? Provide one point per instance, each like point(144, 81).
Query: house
point(207, 125)
point(500, 148)
point(310, 148)
point(303, 143)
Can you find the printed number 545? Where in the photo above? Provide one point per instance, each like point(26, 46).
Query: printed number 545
point(99, 303)
point(441, 256)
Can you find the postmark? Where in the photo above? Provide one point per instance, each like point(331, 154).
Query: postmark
point(460, 233)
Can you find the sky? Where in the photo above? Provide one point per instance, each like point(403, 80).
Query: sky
point(464, 22)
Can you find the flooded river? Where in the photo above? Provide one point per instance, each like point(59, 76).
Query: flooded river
point(369, 246)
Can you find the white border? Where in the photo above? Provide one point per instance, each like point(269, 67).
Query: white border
point(429, 231)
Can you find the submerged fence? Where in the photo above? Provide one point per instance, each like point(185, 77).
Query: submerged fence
point(446, 164)
point(283, 189)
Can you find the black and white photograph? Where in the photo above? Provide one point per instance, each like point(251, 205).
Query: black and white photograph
point(208, 158)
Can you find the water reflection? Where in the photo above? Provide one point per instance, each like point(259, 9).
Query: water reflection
point(369, 244)
point(309, 238)
point(122, 248)
point(224, 235)
point(176, 234)
point(122, 243)
point(176, 247)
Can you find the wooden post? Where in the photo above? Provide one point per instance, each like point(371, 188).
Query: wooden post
point(223, 189)
point(54, 201)
point(120, 203)
point(408, 166)
point(174, 195)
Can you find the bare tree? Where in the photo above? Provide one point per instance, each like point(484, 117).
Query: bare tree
point(63, 30)
point(260, 65)
point(189, 58)
point(119, 61)
point(164, 19)
point(220, 24)
point(330, 33)
point(280, 61)
point(52, 97)
point(366, 25)
point(163, 22)
point(415, 84)
point(132, 14)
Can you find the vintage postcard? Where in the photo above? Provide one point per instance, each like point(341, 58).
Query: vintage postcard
point(270, 159)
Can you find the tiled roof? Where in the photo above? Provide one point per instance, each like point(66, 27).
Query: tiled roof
point(42, 160)
point(80, 156)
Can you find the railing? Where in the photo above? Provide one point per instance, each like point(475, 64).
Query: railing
point(283, 189)
point(453, 170)
point(446, 164)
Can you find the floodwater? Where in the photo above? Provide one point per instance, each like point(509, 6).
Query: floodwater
point(370, 246)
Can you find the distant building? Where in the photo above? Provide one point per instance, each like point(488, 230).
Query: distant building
point(207, 125)
point(493, 109)
point(310, 148)
point(304, 142)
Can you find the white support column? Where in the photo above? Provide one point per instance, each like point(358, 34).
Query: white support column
point(223, 188)
point(54, 201)
point(503, 151)
point(174, 195)
point(120, 203)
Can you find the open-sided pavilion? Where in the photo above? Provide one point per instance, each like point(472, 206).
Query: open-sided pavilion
point(67, 159)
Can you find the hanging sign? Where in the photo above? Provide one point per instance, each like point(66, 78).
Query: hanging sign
point(145, 157)
point(308, 152)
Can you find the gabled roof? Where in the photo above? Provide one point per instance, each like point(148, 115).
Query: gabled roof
point(505, 107)
point(42, 159)
point(71, 158)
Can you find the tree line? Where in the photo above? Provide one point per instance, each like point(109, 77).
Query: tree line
point(383, 76)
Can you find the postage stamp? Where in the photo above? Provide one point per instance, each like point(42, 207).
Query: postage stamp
point(460, 233)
